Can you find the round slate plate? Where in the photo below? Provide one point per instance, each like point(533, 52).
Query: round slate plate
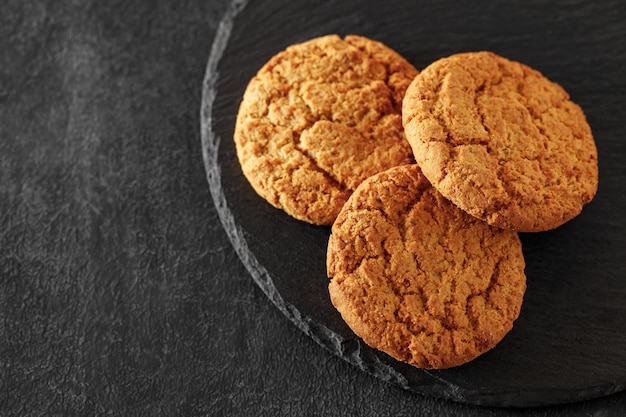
point(569, 343)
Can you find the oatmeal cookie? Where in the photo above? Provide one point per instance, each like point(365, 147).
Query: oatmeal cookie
point(501, 141)
point(320, 117)
point(417, 277)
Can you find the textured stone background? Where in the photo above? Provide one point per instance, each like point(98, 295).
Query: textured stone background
point(119, 291)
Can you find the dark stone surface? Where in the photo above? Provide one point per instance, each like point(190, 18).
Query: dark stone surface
point(120, 293)
point(572, 328)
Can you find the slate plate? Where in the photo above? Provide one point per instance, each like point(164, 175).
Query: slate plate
point(569, 343)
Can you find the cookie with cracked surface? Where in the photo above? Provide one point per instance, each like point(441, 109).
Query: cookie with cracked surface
point(320, 117)
point(417, 277)
point(501, 141)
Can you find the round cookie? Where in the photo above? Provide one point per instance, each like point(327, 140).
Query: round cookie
point(501, 141)
point(417, 277)
point(320, 117)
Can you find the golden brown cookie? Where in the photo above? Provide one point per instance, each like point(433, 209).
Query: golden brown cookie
point(501, 141)
point(417, 277)
point(318, 119)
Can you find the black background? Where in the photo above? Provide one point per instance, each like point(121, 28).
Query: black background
point(120, 293)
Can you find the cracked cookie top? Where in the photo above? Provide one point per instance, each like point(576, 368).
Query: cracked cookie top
point(501, 141)
point(319, 118)
point(417, 277)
